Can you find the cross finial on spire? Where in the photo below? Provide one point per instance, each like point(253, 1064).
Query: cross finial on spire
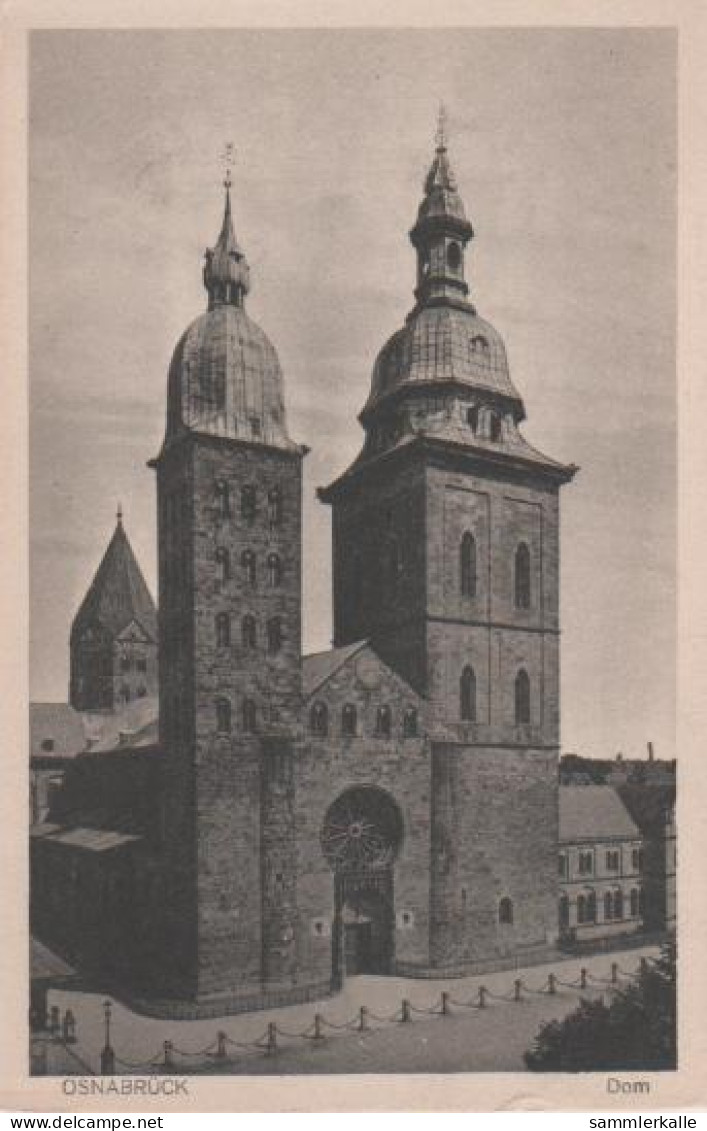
point(119, 514)
point(228, 159)
point(441, 134)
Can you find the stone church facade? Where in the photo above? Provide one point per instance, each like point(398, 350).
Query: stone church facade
point(390, 805)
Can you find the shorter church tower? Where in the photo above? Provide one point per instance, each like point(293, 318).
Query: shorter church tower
point(113, 643)
point(229, 533)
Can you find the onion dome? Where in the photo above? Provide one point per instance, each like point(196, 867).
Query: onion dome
point(225, 377)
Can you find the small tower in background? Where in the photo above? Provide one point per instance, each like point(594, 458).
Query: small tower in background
point(113, 642)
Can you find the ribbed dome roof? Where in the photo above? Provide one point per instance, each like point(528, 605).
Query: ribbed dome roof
point(225, 380)
point(440, 345)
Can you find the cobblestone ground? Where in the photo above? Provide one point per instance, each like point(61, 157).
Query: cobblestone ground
point(467, 1040)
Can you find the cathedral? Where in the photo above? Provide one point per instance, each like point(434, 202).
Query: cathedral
point(389, 806)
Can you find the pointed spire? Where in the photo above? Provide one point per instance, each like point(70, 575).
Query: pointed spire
point(226, 271)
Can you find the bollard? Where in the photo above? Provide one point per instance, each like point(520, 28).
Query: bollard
point(221, 1046)
point(517, 987)
point(405, 1015)
point(68, 1028)
point(168, 1048)
point(107, 1061)
point(54, 1022)
point(271, 1044)
point(363, 1018)
point(482, 997)
point(318, 1027)
point(445, 1002)
point(583, 978)
point(614, 973)
point(551, 984)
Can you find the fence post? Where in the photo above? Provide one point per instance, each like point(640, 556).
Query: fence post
point(54, 1022)
point(551, 984)
point(107, 1054)
point(221, 1045)
point(271, 1044)
point(583, 978)
point(405, 1015)
point(168, 1048)
point(614, 973)
point(482, 997)
point(445, 1002)
point(318, 1022)
point(363, 1018)
point(517, 987)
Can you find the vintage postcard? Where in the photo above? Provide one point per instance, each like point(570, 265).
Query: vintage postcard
point(343, 551)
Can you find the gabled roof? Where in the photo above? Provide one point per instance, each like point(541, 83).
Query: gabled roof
point(118, 593)
point(594, 813)
point(321, 666)
point(649, 803)
point(58, 731)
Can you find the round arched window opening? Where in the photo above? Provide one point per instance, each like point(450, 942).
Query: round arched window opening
point(362, 831)
point(454, 256)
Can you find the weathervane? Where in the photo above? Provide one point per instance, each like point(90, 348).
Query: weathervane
point(441, 135)
point(228, 160)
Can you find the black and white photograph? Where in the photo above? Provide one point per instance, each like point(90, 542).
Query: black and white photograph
point(353, 467)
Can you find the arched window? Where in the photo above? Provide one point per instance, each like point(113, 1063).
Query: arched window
point(608, 905)
point(410, 723)
point(564, 911)
point(454, 256)
point(467, 695)
point(521, 577)
point(592, 907)
point(641, 902)
point(383, 722)
point(223, 560)
point(248, 504)
point(634, 902)
point(618, 904)
point(250, 716)
point(223, 499)
point(505, 910)
point(248, 633)
point(223, 716)
point(349, 719)
point(581, 908)
point(478, 345)
point(274, 631)
point(472, 418)
point(522, 698)
point(494, 426)
point(274, 571)
point(223, 630)
point(275, 506)
point(467, 566)
point(319, 719)
point(248, 566)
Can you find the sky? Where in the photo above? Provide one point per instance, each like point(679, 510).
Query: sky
point(564, 147)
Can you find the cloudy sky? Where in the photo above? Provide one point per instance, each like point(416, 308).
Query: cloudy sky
point(563, 143)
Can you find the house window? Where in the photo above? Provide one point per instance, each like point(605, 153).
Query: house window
point(223, 500)
point(141, 691)
point(505, 910)
point(383, 722)
point(319, 720)
point(349, 720)
point(591, 908)
point(641, 902)
point(249, 714)
point(612, 861)
point(223, 560)
point(223, 630)
point(467, 566)
point(522, 698)
point(248, 566)
point(125, 693)
point(467, 695)
point(585, 863)
point(274, 571)
point(47, 745)
point(223, 716)
point(637, 859)
point(562, 866)
point(581, 909)
point(275, 508)
point(494, 426)
point(618, 904)
point(141, 664)
point(564, 911)
point(472, 418)
point(454, 256)
point(126, 664)
point(522, 577)
point(255, 426)
point(410, 723)
point(478, 346)
point(248, 633)
point(274, 631)
point(248, 504)
point(634, 902)
point(608, 905)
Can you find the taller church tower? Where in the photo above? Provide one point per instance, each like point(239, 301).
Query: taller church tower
point(229, 530)
point(445, 541)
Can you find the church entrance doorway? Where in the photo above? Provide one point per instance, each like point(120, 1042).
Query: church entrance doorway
point(361, 836)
